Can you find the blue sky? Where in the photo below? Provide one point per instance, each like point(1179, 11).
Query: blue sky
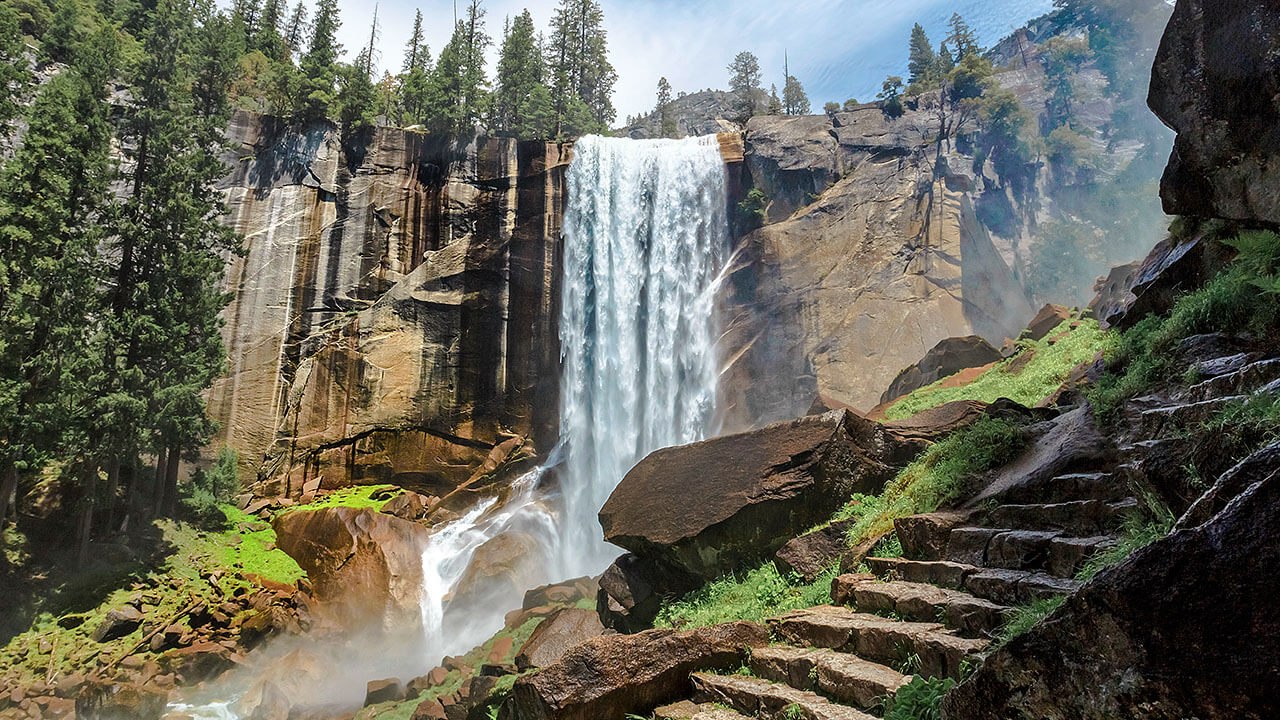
point(837, 48)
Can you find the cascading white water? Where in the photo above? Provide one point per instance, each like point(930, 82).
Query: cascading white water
point(645, 241)
point(645, 238)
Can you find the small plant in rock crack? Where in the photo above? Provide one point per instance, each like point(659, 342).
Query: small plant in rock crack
point(813, 676)
point(910, 663)
point(920, 699)
point(794, 712)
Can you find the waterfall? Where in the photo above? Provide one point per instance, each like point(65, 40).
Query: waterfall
point(645, 243)
point(645, 238)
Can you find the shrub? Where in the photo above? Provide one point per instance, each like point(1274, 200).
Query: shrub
point(920, 699)
point(752, 211)
point(217, 486)
point(939, 476)
point(757, 594)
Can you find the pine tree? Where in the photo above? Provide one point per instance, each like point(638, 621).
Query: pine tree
point(578, 63)
point(59, 41)
point(52, 199)
point(794, 99)
point(413, 51)
point(890, 97)
point(163, 342)
point(15, 73)
point(923, 62)
point(248, 12)
point(319, 65)
point(961, 38)
point(744, 79)
point(536, 119)
point(775, 103)
point(268, 38)
point(519, 70)
point(296, 31)
point(666, 114)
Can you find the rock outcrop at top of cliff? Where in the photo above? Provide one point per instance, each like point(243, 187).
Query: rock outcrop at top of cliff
point(1215, 83)
point(393, 318)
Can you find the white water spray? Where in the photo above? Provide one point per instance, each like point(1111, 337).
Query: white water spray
point(645, 240)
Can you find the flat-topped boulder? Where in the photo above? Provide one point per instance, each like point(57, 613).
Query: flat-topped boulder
point(700, 510)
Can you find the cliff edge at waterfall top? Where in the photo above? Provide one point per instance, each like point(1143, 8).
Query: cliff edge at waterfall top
point(605, 360)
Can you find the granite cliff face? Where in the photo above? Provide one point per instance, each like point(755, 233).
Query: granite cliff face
point(839, 294)
point(393, 315)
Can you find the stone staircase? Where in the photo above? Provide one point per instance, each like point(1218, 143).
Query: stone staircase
point(926, 614)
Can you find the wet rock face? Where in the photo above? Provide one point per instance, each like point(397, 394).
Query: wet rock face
point(1203, 646)
point(699, 510)
point(1214, 82)
point(365, 566)
point(393, 316)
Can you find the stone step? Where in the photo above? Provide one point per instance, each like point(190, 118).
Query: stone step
point(956, 609)
point(1067, 555)
point(1058, 553)
point(689, 710)
point(768, 700)
point(1080, 517)
point(844, 677)
point(1005, 587)
point(1172, 419)
point(1066, 488)
point(1248, 379)
point(889, 642)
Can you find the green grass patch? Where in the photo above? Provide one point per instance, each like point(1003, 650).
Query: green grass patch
point(1025, 617)
point(920, 699)
point(941, 474)
point(1040, 378)
point(359, 497)
point(754, 595)
point(240, 546)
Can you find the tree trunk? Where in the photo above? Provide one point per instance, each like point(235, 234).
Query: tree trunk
point(133, 517)
point(157, 489)
point(8, 491)
point(171, 483)
point(113, 486)
point(86, 514)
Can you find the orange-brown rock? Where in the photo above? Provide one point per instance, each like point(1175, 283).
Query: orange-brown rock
point(365, 566)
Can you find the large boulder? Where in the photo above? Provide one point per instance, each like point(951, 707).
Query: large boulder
point(1174, 267)
point(1214, 82)
point(1185, 628)
point(944, 360)
point(566, 629)
point(365, 566)
point(612, 676)
point(701, 510)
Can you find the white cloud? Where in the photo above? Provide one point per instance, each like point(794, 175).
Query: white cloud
point(837, 48)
